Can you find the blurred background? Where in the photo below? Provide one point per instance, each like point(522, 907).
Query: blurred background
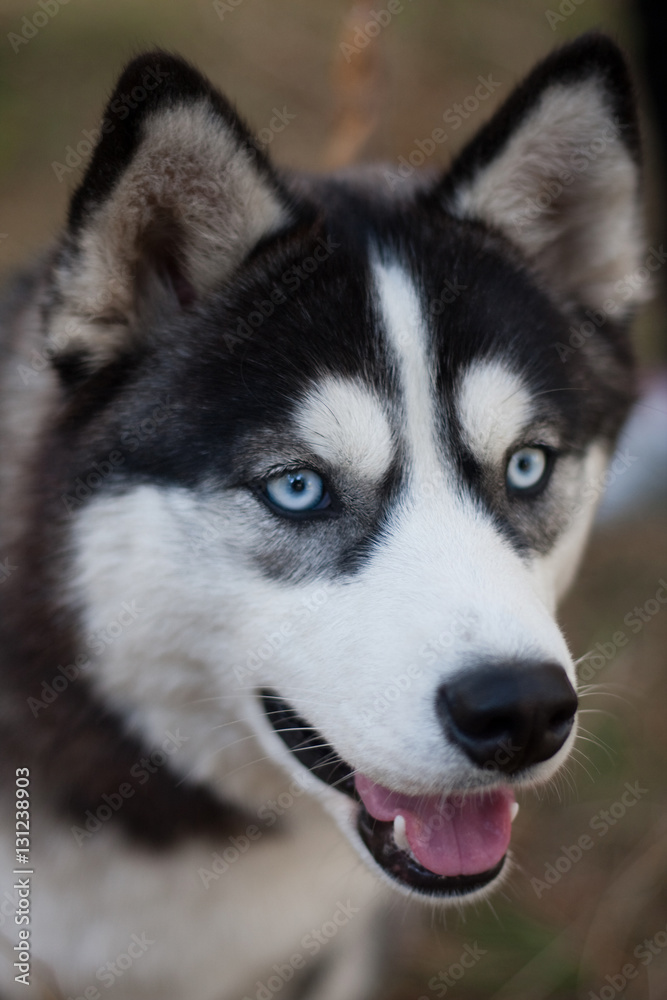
point(571, 917)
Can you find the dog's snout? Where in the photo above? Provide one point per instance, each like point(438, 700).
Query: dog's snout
point(509, 715)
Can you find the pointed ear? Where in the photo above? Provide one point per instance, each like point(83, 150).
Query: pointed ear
point(176, 195)
point(557, 170)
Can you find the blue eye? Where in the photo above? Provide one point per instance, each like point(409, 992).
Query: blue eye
point(297, 492)
point(527, 469)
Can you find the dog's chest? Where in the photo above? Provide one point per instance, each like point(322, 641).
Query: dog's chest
point(204, 920)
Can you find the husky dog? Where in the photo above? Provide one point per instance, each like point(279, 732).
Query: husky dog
point(295, 470)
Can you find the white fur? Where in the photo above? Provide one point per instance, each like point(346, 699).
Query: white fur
point(406, 329)
point(494, 407)
point(88, 900)
point(347, 425)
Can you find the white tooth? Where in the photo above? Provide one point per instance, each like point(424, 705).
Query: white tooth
point(400, 837)
point(514, 808)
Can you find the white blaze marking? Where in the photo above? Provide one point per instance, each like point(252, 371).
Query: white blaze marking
point(408, 336)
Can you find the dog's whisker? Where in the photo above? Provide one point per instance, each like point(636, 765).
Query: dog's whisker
point(240, 723)
point(588, 734)
point(304, 745)
point(612, 694)
point(279, 712)
point(294, 729)
point(587, 690)
point(596, 743)
point(579, 757)
point(558, 780)
point(247, 763)
point(583, 657)
point(558, 787)
point(581, 752)
point(235, 742)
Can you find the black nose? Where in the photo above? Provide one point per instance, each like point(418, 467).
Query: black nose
point(509, 715)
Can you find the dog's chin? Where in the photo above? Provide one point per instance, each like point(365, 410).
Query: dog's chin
point(376, 838)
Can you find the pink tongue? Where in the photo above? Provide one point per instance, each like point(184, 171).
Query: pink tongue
point(456, 835)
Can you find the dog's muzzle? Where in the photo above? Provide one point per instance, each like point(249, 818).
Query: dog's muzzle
point(505, 718)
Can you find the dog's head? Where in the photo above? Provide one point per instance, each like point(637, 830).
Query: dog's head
point(341, 441)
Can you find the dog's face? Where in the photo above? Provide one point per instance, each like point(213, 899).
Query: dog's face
point(346, 452)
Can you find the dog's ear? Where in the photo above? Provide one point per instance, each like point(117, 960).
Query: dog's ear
point(557, 170)
point(176, 195)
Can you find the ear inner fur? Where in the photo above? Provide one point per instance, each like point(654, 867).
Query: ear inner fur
point(176, 187)
point(557, 171)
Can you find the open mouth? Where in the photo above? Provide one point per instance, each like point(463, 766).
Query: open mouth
point(438, 846)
